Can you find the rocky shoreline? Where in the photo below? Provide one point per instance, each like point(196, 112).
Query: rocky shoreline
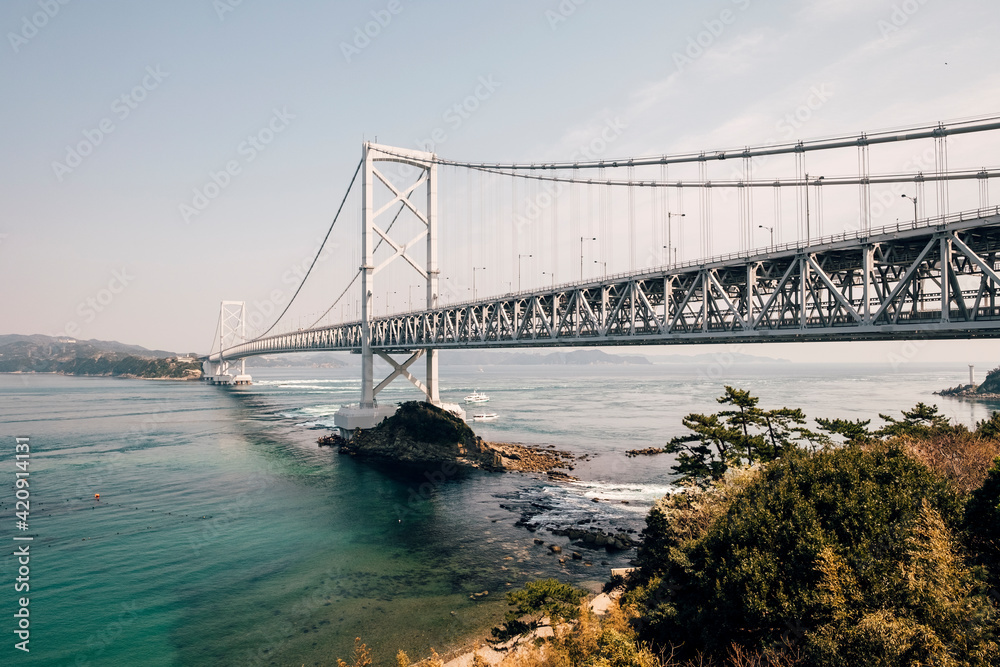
point(969, 391)
point(490, 456)
point(989, 390)
point(419, 435)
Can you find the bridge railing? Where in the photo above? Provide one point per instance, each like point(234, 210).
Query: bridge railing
point(679, 267)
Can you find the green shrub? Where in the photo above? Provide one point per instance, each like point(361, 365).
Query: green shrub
point(740, 436)
point(934, 615)
point(753, 578)
point(982, 523)
point(544, 598)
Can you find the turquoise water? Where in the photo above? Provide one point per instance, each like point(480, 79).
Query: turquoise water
point(224, 535)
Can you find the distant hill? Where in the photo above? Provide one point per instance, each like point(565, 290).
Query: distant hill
point(297, 360)
point(570, 358)
point(45, 354)
point(102, 345)
point(736, 357)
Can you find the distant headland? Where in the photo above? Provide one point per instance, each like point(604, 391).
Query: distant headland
point(67, 356)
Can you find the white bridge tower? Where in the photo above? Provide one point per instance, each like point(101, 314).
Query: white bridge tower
point(232, 332)
point(368, 412)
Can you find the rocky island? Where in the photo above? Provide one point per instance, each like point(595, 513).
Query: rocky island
point(420, 434)
point(989, 390)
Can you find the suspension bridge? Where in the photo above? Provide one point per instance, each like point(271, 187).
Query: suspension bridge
point(841, 276)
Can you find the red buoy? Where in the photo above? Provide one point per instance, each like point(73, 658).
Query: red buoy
point(97, 496)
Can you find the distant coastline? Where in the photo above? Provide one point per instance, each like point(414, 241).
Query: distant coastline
point(65, 356)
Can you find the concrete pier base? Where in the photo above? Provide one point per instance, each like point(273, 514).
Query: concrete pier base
point(351, 417)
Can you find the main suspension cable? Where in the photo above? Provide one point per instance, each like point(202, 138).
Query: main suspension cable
point(319, 251)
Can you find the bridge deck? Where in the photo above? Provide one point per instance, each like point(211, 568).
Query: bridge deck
point(937, 279)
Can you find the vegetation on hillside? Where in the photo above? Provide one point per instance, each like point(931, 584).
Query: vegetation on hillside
point(85, 359)
point(848, 546)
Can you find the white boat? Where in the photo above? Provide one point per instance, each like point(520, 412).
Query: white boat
point(477, 397)
point(485, 417)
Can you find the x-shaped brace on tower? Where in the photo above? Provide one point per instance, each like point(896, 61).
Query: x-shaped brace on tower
point(401, 198)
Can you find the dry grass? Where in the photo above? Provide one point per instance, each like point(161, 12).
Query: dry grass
point(611, 641)
point(963, 457)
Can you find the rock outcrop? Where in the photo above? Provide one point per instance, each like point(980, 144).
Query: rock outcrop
point(422, 434)
point(989, 390)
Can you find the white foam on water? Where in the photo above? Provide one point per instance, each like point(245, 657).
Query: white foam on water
point(646, 493)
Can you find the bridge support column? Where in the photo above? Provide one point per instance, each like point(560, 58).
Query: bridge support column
point(432, 378)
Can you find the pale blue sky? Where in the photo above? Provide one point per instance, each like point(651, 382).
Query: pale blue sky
point(556, 77)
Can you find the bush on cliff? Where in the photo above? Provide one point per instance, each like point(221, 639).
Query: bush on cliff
point(982, 524)
point(845, 552)
point(538, 600)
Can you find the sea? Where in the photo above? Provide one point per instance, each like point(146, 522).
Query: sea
point(224, 535)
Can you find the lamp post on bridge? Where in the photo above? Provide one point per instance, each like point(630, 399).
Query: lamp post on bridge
point(553, 274)
point(914, 200)
point(519, 258)
point(670, 236)
point(605, 268)
point(474, 269)
point(808, 234)
point(770, 229)
point(582, 239)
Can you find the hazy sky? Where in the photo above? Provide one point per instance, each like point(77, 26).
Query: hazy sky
point(162, 95)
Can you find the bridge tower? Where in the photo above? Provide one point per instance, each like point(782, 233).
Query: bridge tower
point(368, 412)
point(232, 332)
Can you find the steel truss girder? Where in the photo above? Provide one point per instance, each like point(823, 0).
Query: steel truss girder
point(930, 282)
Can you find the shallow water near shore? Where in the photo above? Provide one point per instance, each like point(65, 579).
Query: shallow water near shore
point(224, 535)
